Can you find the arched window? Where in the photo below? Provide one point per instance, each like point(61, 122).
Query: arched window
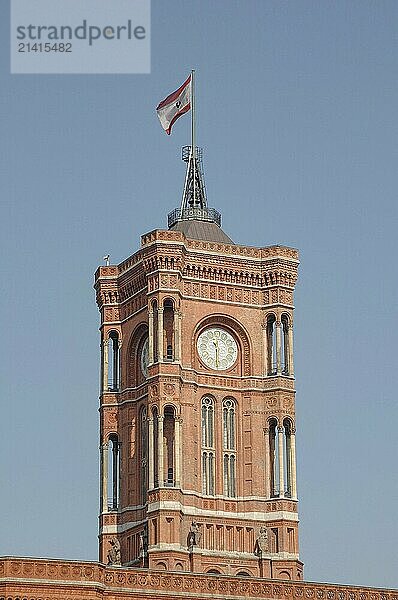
point(144, 453)
point(213, 572)
point(273, 459)
point(114, 472)
point(229, 424)
point(229, 447)
point(287, 426)
point(271, 345)
point(113, 365)
point(169, 442)
point(285, 345)
point(168, 329)
point(155, 331)
point(208, 450)
point(155, 446)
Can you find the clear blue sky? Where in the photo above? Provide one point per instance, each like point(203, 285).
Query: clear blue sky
point(297, 114)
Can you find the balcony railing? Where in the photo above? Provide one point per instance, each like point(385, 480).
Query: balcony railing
point(190, 214)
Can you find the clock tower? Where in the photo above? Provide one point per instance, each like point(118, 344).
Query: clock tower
point(197, 403)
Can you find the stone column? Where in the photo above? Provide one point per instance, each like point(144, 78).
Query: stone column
point(267, 465)
point(290, 340)
point(293, 463)
point(104, 477)
point(151, 465)
point(160, 334)
point(280, 456)
point(176, 335)
point(179, 327)
point(119, 365)
point(177, 424)
point(150, 337)
point(278, 326)
point(105, 365)
point(160, 452)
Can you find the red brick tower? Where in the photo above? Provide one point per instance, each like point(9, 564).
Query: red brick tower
point(198, 467)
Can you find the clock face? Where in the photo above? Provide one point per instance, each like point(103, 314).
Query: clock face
point(217, 348)
point(145, 357)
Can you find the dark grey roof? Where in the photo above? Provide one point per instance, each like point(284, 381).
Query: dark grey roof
point(202, 230)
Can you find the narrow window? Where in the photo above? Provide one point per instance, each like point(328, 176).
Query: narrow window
point(285, 345)
point(114, 472)
point(168, 329)
point(113, 354)
point(155, 331)
point(229, 447)
point(208, 446)
point(168, 437)
point(271, 345)
point(273, 459)
point(288, 458)
point(155, 447)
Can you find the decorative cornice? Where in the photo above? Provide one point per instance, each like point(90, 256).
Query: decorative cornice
point(21, 577)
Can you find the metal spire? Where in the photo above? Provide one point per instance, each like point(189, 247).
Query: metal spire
point(193, 202)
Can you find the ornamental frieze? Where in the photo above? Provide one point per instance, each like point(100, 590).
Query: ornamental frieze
point(231, 294)
point(25, 574)
point(111, 314)
point(133, 306)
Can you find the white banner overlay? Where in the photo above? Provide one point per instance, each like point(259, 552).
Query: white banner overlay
point(80, 36)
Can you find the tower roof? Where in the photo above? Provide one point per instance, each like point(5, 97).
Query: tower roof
point(197, 229)
point(194, 218)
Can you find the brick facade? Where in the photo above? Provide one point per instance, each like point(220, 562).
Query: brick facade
point(169, 292)
point(44, 579)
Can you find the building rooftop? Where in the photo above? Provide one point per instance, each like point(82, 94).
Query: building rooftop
point(196, 229)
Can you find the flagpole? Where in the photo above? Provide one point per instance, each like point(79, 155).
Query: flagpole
point(193, 132)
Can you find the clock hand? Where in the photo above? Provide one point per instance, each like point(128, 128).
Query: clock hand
point(217, 351)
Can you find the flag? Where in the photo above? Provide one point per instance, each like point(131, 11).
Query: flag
point(175, 105)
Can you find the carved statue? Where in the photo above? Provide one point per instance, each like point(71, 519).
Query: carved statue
point(144, 542)
point(262, 546)
point(194, 534)
point(114, 558)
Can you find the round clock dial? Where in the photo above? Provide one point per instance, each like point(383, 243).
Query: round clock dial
point(145, 357)
point(217, 348)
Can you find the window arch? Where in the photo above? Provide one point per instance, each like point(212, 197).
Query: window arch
point(113, 365)
point(169, 329)
point(229, 442)
point(208, 446)
point(213, 572)
point(281, 458)
point(287, 426)
point(285, 359)
point(273, 458)
point(155, 322)
point(155, 446)
point(134, 374)
point(271, 344)
point(169, 446)
point(114, 471)
point(229, 446)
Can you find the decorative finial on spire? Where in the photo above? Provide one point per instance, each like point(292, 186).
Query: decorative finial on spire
point(194, 201)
